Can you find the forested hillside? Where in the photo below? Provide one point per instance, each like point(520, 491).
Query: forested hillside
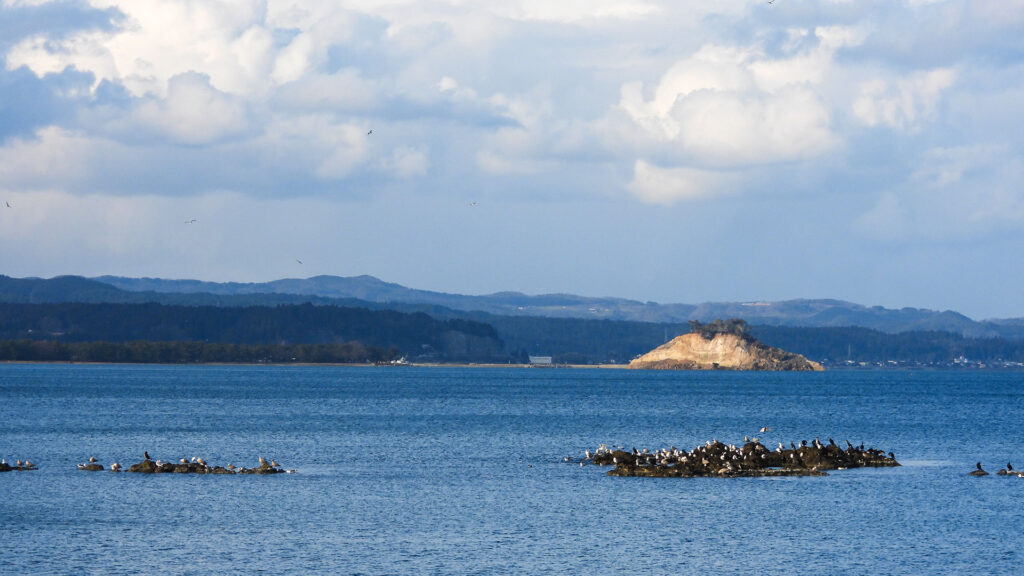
point(415, 335)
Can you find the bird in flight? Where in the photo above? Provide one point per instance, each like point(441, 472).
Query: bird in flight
point(192, 221)
point(771, 1)
point(370, 132)
point(8, 203)
point(299, 261)
point(471, 204)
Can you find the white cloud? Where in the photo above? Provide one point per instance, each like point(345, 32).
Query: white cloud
point(954, 193)
point(345, 146)
point(406, 162)
point(193, 112)
point(656, 185)
point(575, 10)
point(54, 157)
point(903, 103)
point(734, 106)
point(344, 90)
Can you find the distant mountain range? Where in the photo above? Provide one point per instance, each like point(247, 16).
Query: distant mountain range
point(374, 293)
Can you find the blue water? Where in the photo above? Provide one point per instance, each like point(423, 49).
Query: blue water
point(460, 471)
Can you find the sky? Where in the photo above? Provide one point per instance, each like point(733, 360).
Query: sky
point(669, 151)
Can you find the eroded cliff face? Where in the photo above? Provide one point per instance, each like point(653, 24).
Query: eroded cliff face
point(723, 352)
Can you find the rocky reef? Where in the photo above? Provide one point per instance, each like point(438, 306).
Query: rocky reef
point(695, 351)
point(200, 466)
point(752, 459)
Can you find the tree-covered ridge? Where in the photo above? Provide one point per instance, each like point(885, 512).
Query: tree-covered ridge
point(144, 352)
point(415, 335)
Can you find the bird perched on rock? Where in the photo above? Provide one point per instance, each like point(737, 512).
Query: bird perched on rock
point(115, 467)
point(145, 455)
point(978, 472)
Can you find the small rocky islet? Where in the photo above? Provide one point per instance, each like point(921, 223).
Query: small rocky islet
point(193, 466)
point(716, 459)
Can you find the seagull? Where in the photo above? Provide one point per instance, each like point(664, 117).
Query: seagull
point(275, 464)
point(92, 459)
point(471, 204)
point(299, 261)
point(370, 132)
point(764, 429)
point(115, 467)
point(771, 1)
point(262, 461)
point(192, 221)
point(8, 203)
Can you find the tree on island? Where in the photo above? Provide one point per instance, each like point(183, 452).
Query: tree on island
point(735, 326)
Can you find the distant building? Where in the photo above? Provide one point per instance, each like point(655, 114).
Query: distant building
point(540, 359)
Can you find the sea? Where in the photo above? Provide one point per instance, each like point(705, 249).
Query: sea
point(462, 470)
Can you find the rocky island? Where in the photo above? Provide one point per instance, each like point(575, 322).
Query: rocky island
point(721, 346)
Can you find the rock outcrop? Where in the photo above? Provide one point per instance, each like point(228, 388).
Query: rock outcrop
point(752, 459)
point(5, 467)
point(722, 352)
point(151, 467)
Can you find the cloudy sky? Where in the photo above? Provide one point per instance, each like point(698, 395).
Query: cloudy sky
point(672, 151)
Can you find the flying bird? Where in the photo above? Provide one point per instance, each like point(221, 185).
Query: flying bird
point(370, 132)
point(192, 221)
point(8, 203)
point(299, 261)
